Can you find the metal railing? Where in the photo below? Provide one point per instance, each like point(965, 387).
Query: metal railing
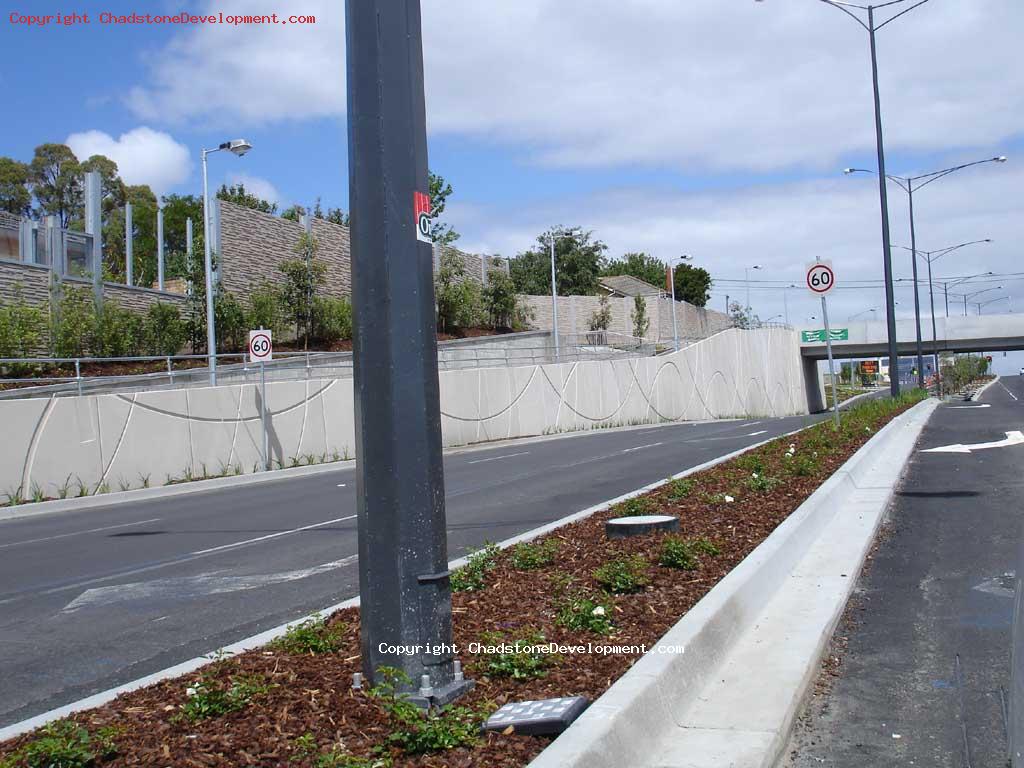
point(178, 371)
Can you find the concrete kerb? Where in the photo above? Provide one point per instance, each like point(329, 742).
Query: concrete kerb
point(651, 700)
point(263, 638)
point(977, 395)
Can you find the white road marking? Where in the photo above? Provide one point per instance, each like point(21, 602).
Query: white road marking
point(341, 485)
point(967, 407)
point(498, 458)
point(641, 447)
point(1000, 586)
point(189, 587)
point(269, 536)
point(1012, 438)
point(755, 434)
point(79, 533)
point(751, 424)
point(1008, 391)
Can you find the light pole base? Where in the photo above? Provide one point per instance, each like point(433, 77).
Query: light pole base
point(444, 695)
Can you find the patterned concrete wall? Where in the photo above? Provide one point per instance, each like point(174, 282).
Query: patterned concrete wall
point(110, 439)
point(574, 313)
point(254, 244)
point(31, 280)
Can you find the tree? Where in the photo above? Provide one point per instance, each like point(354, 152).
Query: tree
point(304, 277)
point(333, 215)
point(55, 176)
point(500, 303)
point(440, 190)
point(236, 194)
point(639, 265)
point(641, 322)
point(144, 268)
point(14, 194)
point(693, 284)
point(602, 317)
point(742, 317)
point(578, 263)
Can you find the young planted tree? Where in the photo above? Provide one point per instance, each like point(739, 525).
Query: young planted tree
point(602, 317)
point(578, 263)
point(458, 298)
point(641, 322)
point(304, 277)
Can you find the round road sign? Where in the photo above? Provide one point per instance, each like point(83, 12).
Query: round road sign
point(260, 346)
point(820, 278)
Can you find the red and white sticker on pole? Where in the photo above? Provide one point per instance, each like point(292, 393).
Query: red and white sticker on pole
point(421, 207)
point(821, 279)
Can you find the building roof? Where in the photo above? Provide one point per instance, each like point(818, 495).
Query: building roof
point(627, 285)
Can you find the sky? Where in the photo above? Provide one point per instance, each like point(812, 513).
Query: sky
point(710, 128)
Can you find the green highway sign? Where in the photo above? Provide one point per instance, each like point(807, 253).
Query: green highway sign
point(837, 334)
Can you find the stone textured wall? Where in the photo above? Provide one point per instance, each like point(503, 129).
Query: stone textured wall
point(254, 244)
point(109, 438)
point(31, 280)
point(574, 313)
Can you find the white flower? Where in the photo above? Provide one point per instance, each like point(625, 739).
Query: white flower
point(754, 475)
point(191, 691)
point(599, 611)
point(729, 499)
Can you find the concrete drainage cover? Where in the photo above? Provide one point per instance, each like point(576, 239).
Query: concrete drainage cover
point(625, 527)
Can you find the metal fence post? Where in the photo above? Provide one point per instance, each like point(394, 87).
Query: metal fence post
point(170, 370)
point(263, 416)
point(78, 375)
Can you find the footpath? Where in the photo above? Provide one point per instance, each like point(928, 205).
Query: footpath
point(918, 672)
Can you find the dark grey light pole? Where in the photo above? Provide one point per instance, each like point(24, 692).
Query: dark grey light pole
point(404, 587)
point(890, 299)
point(910, 185)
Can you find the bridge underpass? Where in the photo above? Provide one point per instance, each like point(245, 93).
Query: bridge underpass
point(984, 333)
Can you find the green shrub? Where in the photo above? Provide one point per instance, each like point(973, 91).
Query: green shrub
point(265, 309)
point(208, 697)
point(472, 577)
point(501, 306)
point(678, 553)
point(623, 575)
point(751, 462)
point(163, 330)
point(312, 636)
point(332, 319)
point(21, 328)
point(73, 324)
point(117, 332)
point(704, 546)
point(529, 556)
point(303, 279)
point(585, 612)
point(230, 323)
point(415, 731)
point(459, 302)
point(803, 464)
point(517, 657)
point(680, 489)
point(65, 744)
point(635, 507)
point(762, 483)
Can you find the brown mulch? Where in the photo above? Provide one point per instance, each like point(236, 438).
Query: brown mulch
point(313, 694)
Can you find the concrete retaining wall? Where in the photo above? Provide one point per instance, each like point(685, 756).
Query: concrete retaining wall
point(120, 440)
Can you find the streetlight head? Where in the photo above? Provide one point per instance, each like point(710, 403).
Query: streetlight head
point(1001, 159)
point(848, 171)
point(239, 147)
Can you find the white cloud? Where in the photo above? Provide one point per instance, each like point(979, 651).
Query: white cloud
point(143, 156)
point(783, 227)
point(257, 186)
point(695, 85)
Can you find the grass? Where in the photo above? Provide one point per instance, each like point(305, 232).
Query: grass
point(623, 575)
point(517, 657)
point(209, 698)
point(472, 577)
point(530, 556)
point(64, 744)
point(313, 636)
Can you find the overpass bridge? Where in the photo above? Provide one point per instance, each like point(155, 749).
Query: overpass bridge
point(985, 333)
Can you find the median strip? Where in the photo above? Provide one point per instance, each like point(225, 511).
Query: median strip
point(601, 604)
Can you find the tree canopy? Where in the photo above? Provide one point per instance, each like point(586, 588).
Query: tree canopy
point(579, 259)
point(238, 195)
point(14, 195)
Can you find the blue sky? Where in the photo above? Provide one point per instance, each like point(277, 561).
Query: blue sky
point(710, 128)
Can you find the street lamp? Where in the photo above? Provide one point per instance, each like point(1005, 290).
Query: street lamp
point(981, 304)
point(747, 272)
point(910, 185)
point(238, 147)
point(946, 285)
point(672, 283)
point(968, 296)
point(851, 10)
point(863, 312)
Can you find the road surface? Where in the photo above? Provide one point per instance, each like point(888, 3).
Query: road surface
point(928, 630)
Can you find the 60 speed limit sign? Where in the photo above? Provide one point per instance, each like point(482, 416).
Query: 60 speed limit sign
point(820, 278)
point(261, 347)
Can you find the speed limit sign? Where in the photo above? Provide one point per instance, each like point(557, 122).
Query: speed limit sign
point(820, 278)
point(261, 346)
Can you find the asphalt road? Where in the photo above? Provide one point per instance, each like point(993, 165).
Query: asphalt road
point(93, 599)
point(928, 630)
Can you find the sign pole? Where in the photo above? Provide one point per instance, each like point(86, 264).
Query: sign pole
point(831, 360)
point(404, 588)
point(263, 418)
